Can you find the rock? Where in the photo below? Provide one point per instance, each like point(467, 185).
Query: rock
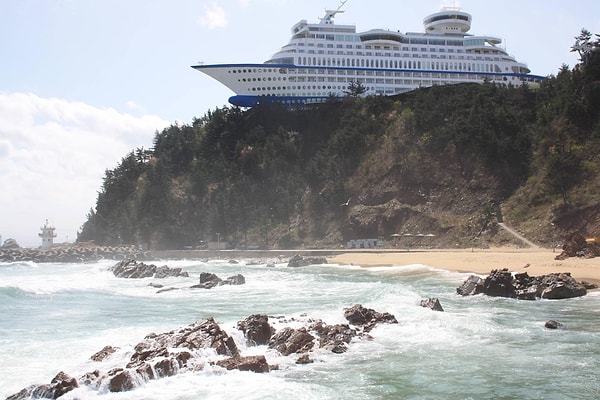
point(167, 289)
point(589, 285)
point(289, 340)
point(103, 354)
point(498, 284)
point(250, 363)
point(433, 303)
point(163, 355)
point(304, 359)
point(235, 280)
point(33, 392)
point(469, 287)
point(575, 245)
point(525, 287)
point(130, 268)
point(256, 329)
point(63, 383)
point(121, 380)
point(367, 318)
point(553, 324)
point(299, 261)
point(333, 337)
point(60, 384)
point(165, 271)
point(564, 287)
point(209, 280)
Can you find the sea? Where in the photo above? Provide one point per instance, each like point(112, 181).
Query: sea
point(54, 316)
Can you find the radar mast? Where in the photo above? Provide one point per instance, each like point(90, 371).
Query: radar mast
point(330, 14)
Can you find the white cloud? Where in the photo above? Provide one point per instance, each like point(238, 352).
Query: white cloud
point(53, 154)
point(214, 17)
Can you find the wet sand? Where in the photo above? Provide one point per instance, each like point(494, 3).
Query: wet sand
point(481, 262)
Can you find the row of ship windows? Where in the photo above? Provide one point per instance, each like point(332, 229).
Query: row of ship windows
point(362, 62)
point(432, 76)
point(387, 54)
point(415, 65)
point(397, 64)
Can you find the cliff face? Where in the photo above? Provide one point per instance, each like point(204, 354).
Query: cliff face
point(439, 167)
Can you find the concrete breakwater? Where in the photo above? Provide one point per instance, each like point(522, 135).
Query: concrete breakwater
point(72, 254)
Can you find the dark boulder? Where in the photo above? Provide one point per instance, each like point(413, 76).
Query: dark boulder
point(524, 287)
point(235, 280)
point(60, 385)
point(367, 317)
point(256, 329)
point(103, 354)
point(304, 359)
point(333, 337)
point(299, 261)
point(250, 363)
point(290, 340)
point(469, 286)
point(130, 268)
point(561, 286)
point(553, 324)
point(208, 280)
point(498, 284)
point(432, 303)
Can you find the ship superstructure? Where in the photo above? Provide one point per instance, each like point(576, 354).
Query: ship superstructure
point(322, 59)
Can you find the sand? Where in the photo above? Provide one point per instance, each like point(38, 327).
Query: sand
point(481, 262)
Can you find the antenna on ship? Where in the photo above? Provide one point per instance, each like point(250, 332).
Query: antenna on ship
point(330, 14)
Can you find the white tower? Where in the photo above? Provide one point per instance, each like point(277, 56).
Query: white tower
point(47, 236)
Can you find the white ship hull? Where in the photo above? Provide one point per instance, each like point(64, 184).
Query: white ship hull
point(294, 85)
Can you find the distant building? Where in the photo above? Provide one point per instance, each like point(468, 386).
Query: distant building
point(47, 236)
point(365, 244)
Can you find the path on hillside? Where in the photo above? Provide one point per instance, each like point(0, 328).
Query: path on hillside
point(519, 236)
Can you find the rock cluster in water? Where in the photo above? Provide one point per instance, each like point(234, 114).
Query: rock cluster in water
point(166, 354)
point(300, 261)
point(130, 268)
point(502, 283)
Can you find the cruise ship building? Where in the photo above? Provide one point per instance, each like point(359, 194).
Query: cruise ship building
point(321, 60)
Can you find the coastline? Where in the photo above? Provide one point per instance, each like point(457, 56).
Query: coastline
point(480, 261)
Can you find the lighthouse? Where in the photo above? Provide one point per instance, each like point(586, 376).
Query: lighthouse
point(47, 236)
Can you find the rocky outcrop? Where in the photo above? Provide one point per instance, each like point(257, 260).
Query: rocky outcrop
point(72, 254)
point(575, 245)
point(502, 283)
point(299, 261)
point(133, 269)
point(103, 354)
point(250, 363)
point(334, 338)
point(209, 280)
point(60, 384)
point(432, 303)
point(290, 340)
point(166, 354)
point(256, 329)
point(367, 318)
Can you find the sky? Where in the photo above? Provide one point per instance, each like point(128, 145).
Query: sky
point(84, 82)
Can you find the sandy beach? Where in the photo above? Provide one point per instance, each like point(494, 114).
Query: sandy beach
point(481, 262)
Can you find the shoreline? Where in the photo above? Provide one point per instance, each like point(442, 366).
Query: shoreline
point(480, 261)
